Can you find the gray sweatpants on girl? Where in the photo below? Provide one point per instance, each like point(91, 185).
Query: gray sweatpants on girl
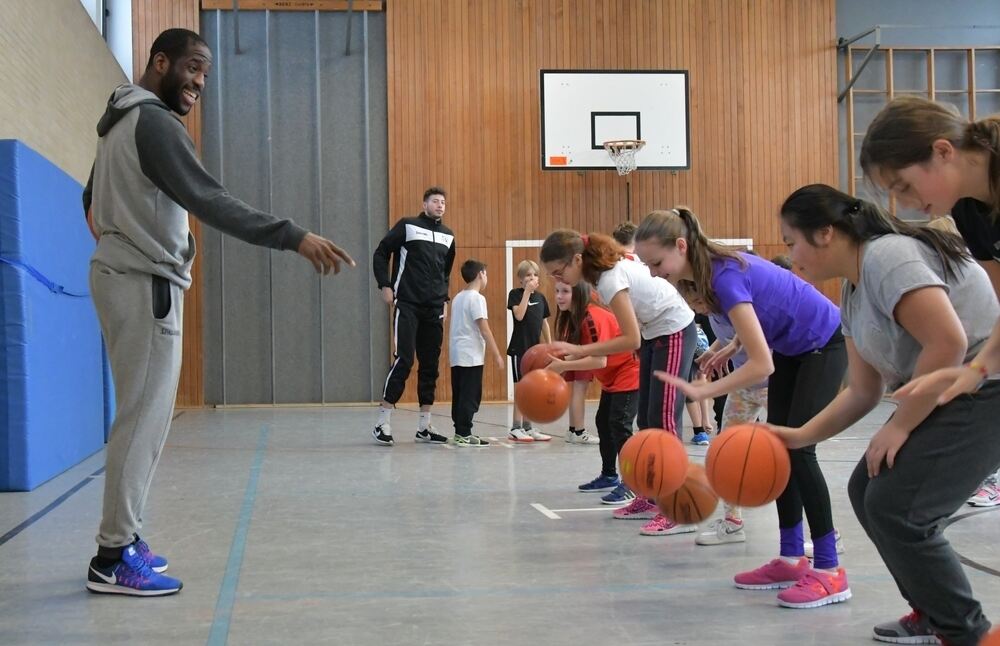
point(141, 318)
point(905, 509)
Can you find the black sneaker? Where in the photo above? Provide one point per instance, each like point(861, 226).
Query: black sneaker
point(383, 435)
point(428, 435)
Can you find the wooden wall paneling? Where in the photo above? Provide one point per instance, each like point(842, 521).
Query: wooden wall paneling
point(762, 110)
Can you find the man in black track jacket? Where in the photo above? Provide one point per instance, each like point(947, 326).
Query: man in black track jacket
point(422, 250)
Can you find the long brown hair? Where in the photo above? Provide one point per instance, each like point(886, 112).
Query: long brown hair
point(813, 207)
point(599, 252)
point(667, 227)
point(570, 323)
point(904, 131)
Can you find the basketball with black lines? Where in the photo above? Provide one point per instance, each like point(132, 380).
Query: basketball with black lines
point(542, 396)
point(693, 502)
point(748, 465)
point(653, 463)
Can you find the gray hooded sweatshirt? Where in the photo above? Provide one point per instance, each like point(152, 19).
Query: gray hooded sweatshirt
point(145, 179)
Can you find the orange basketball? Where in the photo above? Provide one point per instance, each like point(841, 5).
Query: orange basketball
point(748, 465)
point(991, 638)
point(537, 357)
point(693, 502)
point(542, 395)
point(653, 463)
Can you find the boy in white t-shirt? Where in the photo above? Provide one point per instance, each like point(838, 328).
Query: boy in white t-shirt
point(469, 336)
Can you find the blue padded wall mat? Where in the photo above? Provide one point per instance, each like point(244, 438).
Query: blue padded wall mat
point(53, 394)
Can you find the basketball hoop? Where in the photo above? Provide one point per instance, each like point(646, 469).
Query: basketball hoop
point(623, 152)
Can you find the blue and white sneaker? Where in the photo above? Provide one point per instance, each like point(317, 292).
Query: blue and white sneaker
point(132, 576)
point(156, 562)
point(700, 439)
point(600, 483)
point(620, 495)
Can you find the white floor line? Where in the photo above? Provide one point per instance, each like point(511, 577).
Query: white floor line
point(605, 508)
point(545, 511)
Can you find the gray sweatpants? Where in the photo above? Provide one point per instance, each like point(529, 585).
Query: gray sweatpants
point(141, 317)
point(904, 509)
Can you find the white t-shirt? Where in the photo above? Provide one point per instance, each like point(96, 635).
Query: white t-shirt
point(466, 345)
point(658, 306)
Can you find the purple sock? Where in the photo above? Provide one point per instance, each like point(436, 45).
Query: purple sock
point(791, 540)
point(825, 551)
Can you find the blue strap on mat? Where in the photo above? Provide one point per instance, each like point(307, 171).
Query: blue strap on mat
point(53, 287)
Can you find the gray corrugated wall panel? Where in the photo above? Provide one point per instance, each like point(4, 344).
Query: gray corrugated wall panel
point(212, 132)
point(346, 300)
point(378, 187)
point(296, 300)
point(246, 300)
point(353, 334)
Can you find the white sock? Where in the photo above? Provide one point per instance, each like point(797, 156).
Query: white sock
point(384, 414)
point(791, 560)
point(425, 420)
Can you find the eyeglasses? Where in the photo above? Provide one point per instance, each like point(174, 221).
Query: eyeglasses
point(558, 273)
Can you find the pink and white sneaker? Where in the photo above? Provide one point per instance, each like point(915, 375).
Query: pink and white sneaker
point(816, 588)
point(639, 509)
point(988, 494)
point(775, 575)
point(663, 526)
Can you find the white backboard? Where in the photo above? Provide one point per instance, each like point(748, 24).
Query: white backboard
point(581, 109)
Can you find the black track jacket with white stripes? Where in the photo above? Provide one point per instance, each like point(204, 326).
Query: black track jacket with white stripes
point(423, 251)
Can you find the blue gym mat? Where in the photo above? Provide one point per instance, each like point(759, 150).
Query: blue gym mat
point(55, 390)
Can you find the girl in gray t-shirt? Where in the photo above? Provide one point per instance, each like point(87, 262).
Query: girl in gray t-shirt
point(913, 301)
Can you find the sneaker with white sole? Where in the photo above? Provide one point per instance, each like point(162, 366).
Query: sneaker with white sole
point(581, 438)
point(428, 436)
point(910, 629)
point(156, 562)
point(776, 574)
point(470, 440)
point(383, 435)
point(663, 526)
point(132, 576)
point(620, 495)
point(808, 546)
point(639, 509)
point(816, 588)
point(700, 439)
point(988, 494)
point(518, 435)
point(536, 436)
point(721, 531)
point(600, 483)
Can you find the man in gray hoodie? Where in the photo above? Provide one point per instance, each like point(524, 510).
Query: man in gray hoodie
point(146, 177)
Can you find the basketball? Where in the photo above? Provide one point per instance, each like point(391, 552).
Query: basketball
point(542, 395)
point(748, 465)
point(537, 357)
point(991, 638)
point(653, 463)
point(693, 502)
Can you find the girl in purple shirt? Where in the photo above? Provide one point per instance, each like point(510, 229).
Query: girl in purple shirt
point(791, 335)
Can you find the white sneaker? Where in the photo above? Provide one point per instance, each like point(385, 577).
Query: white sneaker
point(809, 546)
point(721, 531)
point(988, 495)
point(518, 435)
point(582, 438)
point(538, 437)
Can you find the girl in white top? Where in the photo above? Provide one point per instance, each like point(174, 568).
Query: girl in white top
point(654, 320)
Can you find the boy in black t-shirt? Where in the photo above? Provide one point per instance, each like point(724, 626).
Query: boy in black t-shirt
point(531, 312)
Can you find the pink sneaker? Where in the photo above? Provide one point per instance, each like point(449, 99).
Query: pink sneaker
point(639, 509)
point(663, 526)
point(775, 575)
point(816, 588)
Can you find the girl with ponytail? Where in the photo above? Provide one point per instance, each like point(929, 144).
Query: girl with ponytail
point(791, 336)
point(653, 319)
point(913, 301)
point(933, 159)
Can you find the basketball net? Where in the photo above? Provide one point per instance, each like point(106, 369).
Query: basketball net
point(623, 152)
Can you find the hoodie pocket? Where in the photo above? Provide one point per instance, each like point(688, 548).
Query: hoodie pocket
point(161, 297)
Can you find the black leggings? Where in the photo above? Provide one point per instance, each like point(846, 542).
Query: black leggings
point(800, 387)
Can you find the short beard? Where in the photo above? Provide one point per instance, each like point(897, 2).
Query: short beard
point(170, 88)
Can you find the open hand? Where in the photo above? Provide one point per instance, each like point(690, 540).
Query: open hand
point(946, 383)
